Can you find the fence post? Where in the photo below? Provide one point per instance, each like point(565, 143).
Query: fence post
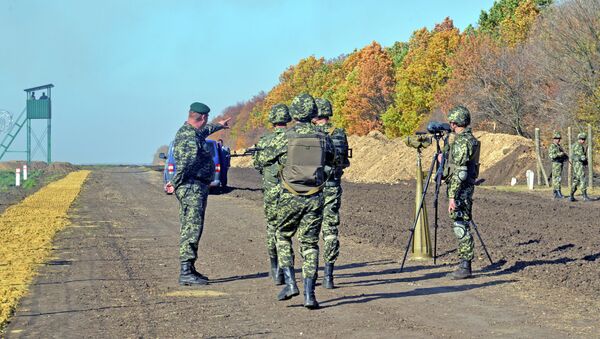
point(590, 152)
point(570, 166)
point(537, 151)
point(18, 177)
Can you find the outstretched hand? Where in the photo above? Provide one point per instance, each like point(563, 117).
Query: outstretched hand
point(224, 122)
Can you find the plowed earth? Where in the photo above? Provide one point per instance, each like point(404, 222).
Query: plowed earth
point(115, 273)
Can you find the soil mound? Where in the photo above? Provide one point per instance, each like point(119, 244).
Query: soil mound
point(377, 159)
point(54, 168)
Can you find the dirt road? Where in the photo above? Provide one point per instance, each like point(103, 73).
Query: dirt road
point(115, 275)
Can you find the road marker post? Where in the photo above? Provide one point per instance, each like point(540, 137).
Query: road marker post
point(24, 172)
point(18, 177)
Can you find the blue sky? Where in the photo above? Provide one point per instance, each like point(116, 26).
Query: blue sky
point(126, 71)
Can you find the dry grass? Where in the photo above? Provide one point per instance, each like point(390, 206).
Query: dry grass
point(26, 233)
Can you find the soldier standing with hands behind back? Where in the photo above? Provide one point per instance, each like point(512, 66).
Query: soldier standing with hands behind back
point(195, 171)
point(579, 162)
point(460, 176)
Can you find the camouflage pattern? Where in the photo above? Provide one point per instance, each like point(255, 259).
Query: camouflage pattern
point(579, 161)
point(582, 136)
point(332, 197)
point(460, 115)
point(279, 114)
point(195, 170)
point(558, 157)
point(303, 108)
point(301, 215)
point(461, 188)
point(269, 168)
point(556, 135)
point(324, 109)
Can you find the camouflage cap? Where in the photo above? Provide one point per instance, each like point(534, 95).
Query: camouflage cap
point(199, 107)
point(556, 135)
point(279, 114)
point(303, 108)
point(323, 108)
point(582, 136)
point(460, 115)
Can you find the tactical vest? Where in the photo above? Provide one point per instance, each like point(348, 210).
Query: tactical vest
point(338, 137)
point(303, 173)
point(472, 164)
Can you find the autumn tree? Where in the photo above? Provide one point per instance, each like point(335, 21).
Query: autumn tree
point(424, 71)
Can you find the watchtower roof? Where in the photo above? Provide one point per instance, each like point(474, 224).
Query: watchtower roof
point(38, 88)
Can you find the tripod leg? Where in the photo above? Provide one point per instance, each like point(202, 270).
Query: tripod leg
point(482, 243)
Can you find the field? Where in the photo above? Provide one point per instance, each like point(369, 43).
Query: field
point(113, 271)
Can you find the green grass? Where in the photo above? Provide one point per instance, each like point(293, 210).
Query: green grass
point(7, 180)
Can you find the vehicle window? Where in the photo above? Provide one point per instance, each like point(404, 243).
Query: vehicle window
point(210, 147)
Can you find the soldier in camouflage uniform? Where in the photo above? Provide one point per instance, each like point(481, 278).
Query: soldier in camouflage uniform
point(558, 157)
point(269, 168)
point(195, 170)
point(579, 161)
point(462, 171)
point(332, 192)
point(298, 214)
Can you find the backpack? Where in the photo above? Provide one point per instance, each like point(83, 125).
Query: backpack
point(340, 143)
point(303, 173)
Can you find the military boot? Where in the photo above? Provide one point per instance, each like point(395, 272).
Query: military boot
point(463, 271)
point(202, 276)
point(187, 276)
point(560, 195)
point(572, 197)
point(556, 194)
point(276, 273)
point(328, 276)
point(290, 289)
point(585, 196)
point(310, 301)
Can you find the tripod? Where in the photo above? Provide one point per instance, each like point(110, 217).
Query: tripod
point(438, 183)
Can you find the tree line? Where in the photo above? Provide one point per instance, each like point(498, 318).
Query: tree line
point(526, 64)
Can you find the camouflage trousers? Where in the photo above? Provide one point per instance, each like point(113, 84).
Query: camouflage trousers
point(192, 205)
point(302, 216)
point(579, 177)
point(557, 168)
point(332, 197)
point(461, 217)
point(270, 197)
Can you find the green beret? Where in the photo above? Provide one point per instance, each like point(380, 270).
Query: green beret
point(199, 107)
point(582, 136)
point(556, 135)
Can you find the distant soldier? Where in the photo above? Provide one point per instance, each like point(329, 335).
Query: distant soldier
point(579, 161)
point(460, 176)
point(195, 171)
point(302, 152)
point(269, 168)
point(558, 157)
point(225, 154)
point(332, 192)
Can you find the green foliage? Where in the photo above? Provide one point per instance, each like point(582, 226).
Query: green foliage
point(7, 179)
point(490, 22)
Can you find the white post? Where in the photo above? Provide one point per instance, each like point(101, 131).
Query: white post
point(530, 178)
point(24, 172)
point(18, 177)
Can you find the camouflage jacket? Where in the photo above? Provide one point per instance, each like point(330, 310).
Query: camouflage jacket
point(264, 162)
point(193, 161)
point(336, 172)
point(556, 154)
point(461, 158)
point(579, 154)
point(277, 153)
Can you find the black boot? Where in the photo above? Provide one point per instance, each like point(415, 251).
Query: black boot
point(202, 276)
point(276, 273)
point(310, 301)
point(328, 276)
point(572, 197)
point(463, 271)
point(291, 289)
point(560, 195)
point(187, 277)
point(585, 196)
point(556, 196)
